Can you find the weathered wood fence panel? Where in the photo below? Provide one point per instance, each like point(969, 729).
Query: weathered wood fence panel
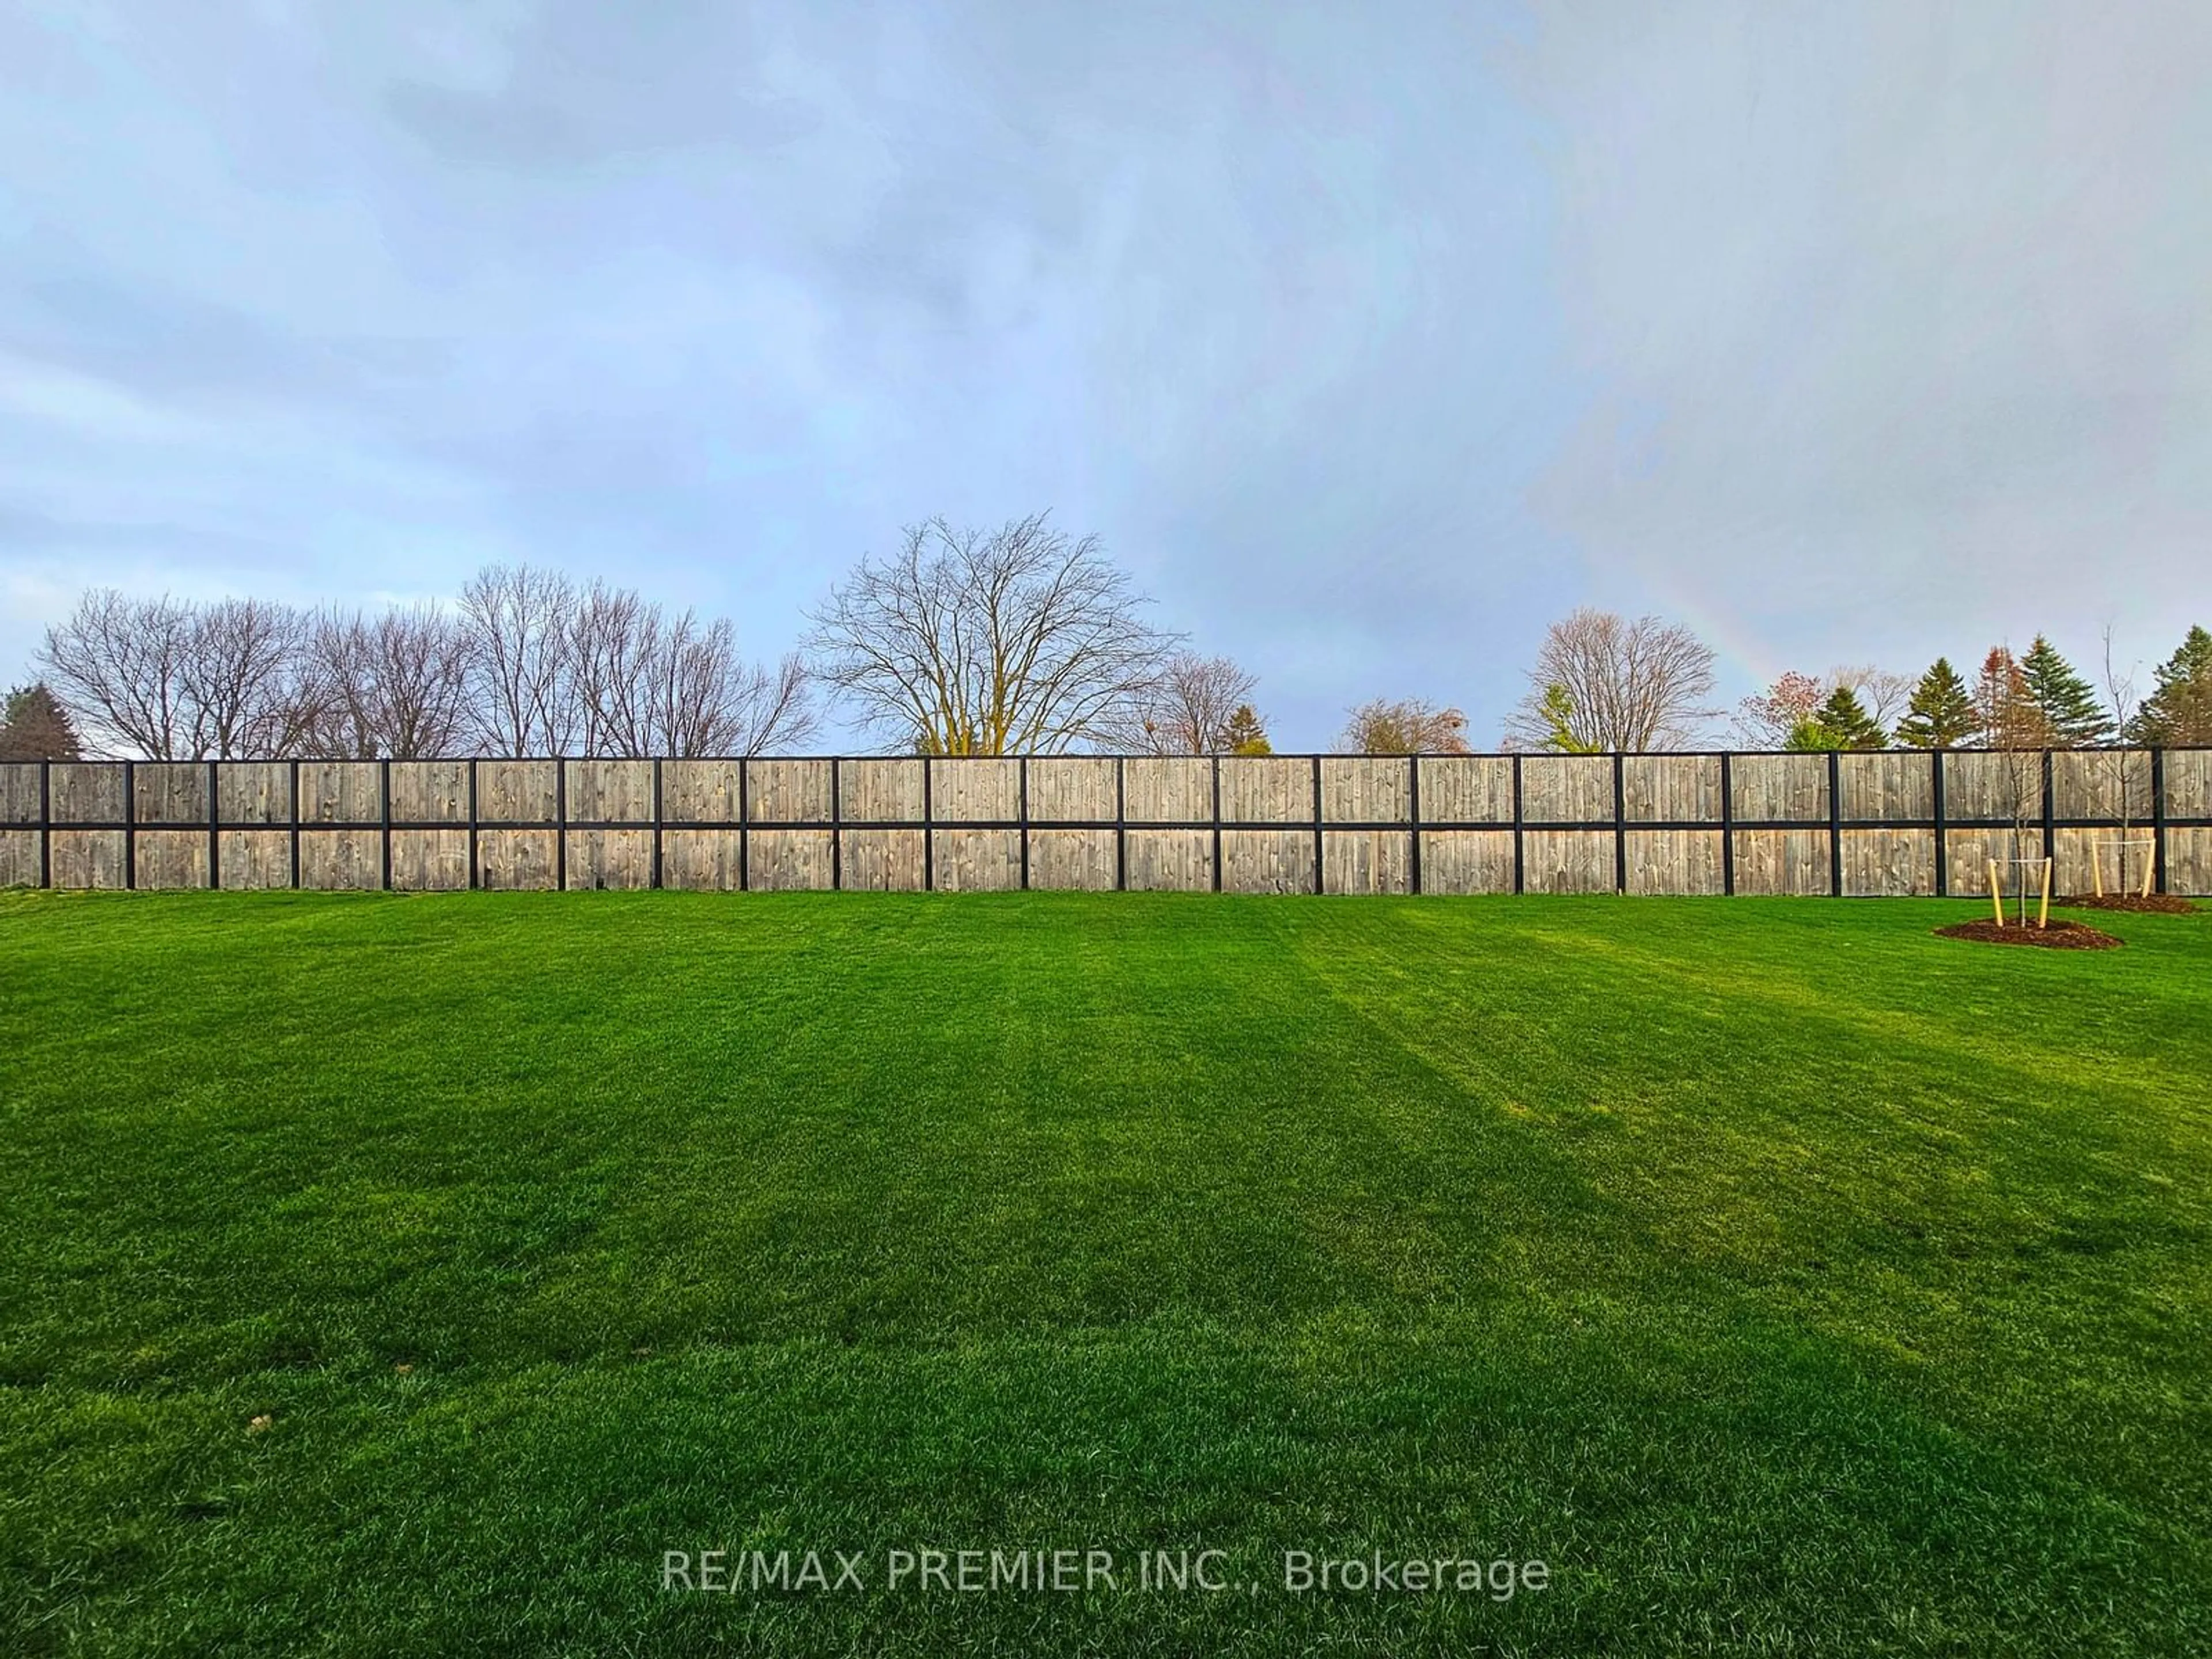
point(1874, 824)
point(1466, 789)
point(1464, 861)
point(1073, 789)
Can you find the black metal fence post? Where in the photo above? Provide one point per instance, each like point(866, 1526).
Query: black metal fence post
point(836, 830)
point(1835, 824)
point(1025, 822)
point(1217, 823)
point(294, 850)
point(1320, 886)
point(928, 827)
point(1943, 831)
point(1413, 812)
point(131, 826)
point(46, 823)
point(560, 824)
point(2158, 820)
point(656, 823)
point(1727, 827)
point(214, 827)
point(1619, 823)
point(744, 829)
point(1520, 861)
point(476, 878)
point(2050, 812)
point(1120, 829)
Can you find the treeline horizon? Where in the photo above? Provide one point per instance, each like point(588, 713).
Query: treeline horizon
point(1021, 640)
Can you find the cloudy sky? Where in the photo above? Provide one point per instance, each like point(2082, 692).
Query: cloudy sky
point(1369, 337)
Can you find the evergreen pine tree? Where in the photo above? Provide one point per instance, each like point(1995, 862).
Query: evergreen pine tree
point(1942, 713)
point(1243, 734)
point(37, 727)
point(2005, 713)
point(2179, 712)
point(1847, 720)
point(2067, 703)
point(1811, 736)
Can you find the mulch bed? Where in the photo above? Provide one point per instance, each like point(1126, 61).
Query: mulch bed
point(2158, 904)
point(2060, 935)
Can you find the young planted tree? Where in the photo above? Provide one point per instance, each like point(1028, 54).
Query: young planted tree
point(1629, 685)
point(1941, 714)
point(2120, 771)
point(2177, 714)
point(967, 642)
point(2068, 703)
point(37, 727)
point(1408, 726)
point(2012, 726)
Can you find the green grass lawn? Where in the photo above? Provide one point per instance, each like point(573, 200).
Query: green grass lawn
point(1783, 1277)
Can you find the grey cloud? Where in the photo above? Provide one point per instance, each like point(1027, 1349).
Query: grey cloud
point(1367, 347)
point(1909, 302)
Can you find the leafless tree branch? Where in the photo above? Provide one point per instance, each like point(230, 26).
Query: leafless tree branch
point(1024, 639)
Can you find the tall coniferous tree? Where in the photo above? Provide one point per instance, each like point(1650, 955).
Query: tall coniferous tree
point(1243, 734)
point(35, 726)
point(2005, 712)
point(2178, 713)
point(1844, 715)
point(2067, 703)
point(1942, 713)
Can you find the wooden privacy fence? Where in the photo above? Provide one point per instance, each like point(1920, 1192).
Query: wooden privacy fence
point(1894, 822)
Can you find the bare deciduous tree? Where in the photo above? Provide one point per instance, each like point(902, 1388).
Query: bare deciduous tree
point(522, 694)
point(706, 700)
point(2013, 727)
point(1187, 708)
point(1883, 695)
point(966, 642)
point(613, 637)
point(646, 684)
point(528, 666)
point(234, 680)
point(1629, 685)
point(119, 664)
point(1766, 719)
point(2124, 771)
point(251, 682)
point(399, 683)
point(1407, 725)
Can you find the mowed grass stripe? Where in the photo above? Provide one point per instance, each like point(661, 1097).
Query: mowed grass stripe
point(1787, 1278)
